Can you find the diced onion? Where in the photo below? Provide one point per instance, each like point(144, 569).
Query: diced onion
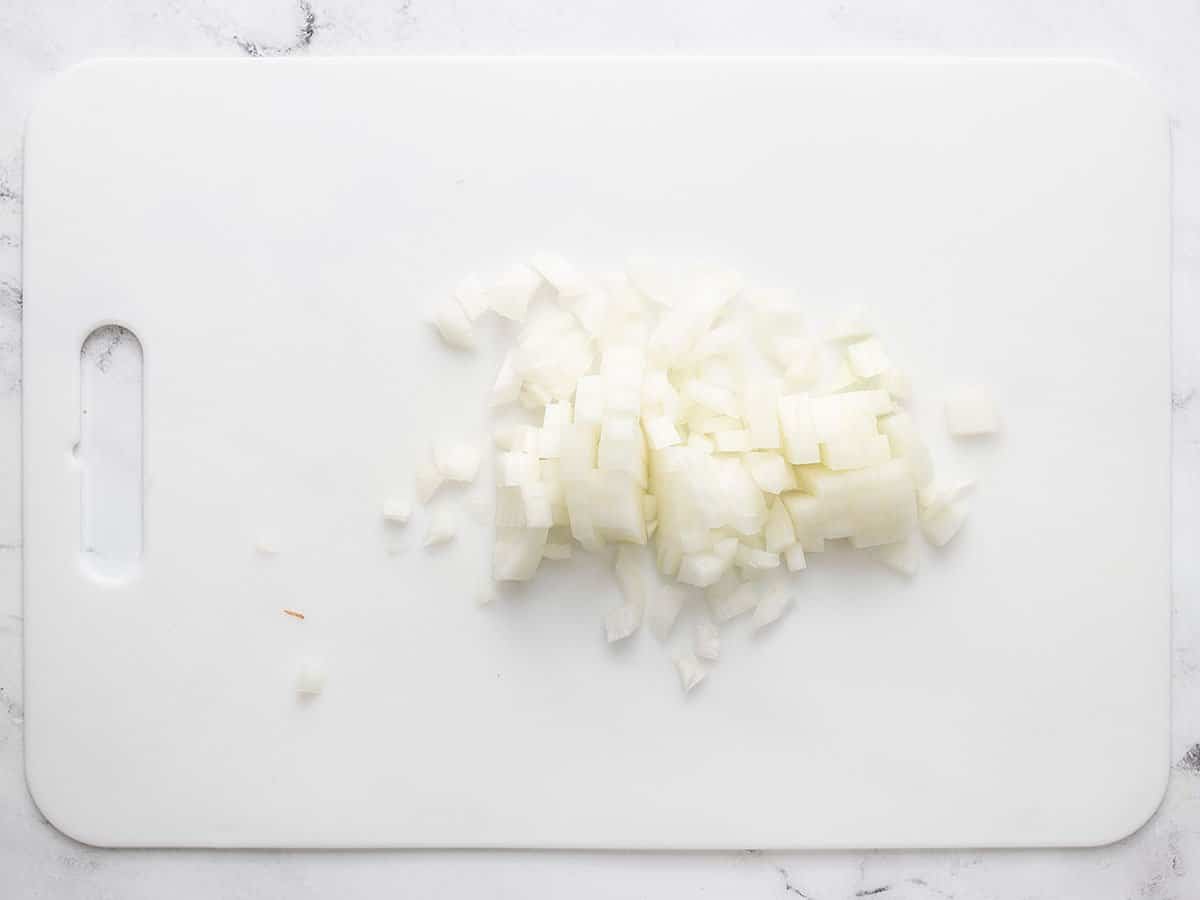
point(771, 605)
point(397, 510)
point(441, 528)
point(707, 640)
point(456, 460)
point(690, 670)
point(970, 411)
point(311, 677)
point(454, 326)
point(659, 409)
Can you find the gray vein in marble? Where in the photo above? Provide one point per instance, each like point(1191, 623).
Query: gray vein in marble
point(1181, 399)
point(10, 294)
point(1191, 760)
point(12, 707)
point(788, 887)
point(304, 37)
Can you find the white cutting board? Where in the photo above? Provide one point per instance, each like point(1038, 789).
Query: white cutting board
point(274, 233)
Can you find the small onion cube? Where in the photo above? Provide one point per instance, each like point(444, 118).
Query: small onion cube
point(970, 411)
point(779, 534)
point(793, 556)
point(662, 609)
point(472, 297)
point(660, 432)
point(311, 677)
point(454, 326)
point(536, 505)
point(397, 510)
point(441, 528)
point(690, 670)
point(457, 461)
point(621, 622)
point(770, 472)
point(902, 556)
point(849, 325)
point(507, 387)
point(771, 605)
point(589, 400)
point(702, 569)
point(762, 414)
point(867, 358)
point(740, 600)
point(559, 273)
point(799, 434)
point(511, 293)
point(732, 441)
point(428, 479)
point(940, 528)
point(856, 452)
point(707, 640)
point(752, 558)
point(517, 553)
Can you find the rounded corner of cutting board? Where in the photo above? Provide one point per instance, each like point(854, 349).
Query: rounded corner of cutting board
point(64, 812)
point(1137, 812)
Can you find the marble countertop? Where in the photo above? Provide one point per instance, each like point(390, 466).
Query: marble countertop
point(1159, 39)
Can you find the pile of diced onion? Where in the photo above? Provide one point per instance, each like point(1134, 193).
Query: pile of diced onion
point(691, 419)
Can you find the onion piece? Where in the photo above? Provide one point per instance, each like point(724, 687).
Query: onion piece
point(902, 556)
point(397, 510)
point(752, 558)
point(511, 293)
point(454, 326)
point(621, 622)
point(849, 325)
point(311, 677)
point(808, 520)
point(771, 605)
point(896, 383)
point(907, 444)
point(770, 472)
point(456, 460)
point(559, 273)
point(428, 480)
point(794, 557)
point(629, 565)
point(707, 640)
point(741, 599)
point(556, 550)
point(732, 441)
point(797, 430)
point(702, 569)
point(970, 411)
point(442, 527)
point(938, 494)
point(662, 609)
point(761, 403)
point(660, 432)
point(517, 553)
point(472, 297)
point(507, 387)
point(867, 358)
point(941, 527)
point(690, 670)
point(778, 533)
point(589, 400)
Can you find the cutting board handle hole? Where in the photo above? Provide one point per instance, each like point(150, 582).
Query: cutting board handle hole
point(109, 452)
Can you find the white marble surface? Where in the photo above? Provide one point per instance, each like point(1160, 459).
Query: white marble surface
point(1160, 39)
